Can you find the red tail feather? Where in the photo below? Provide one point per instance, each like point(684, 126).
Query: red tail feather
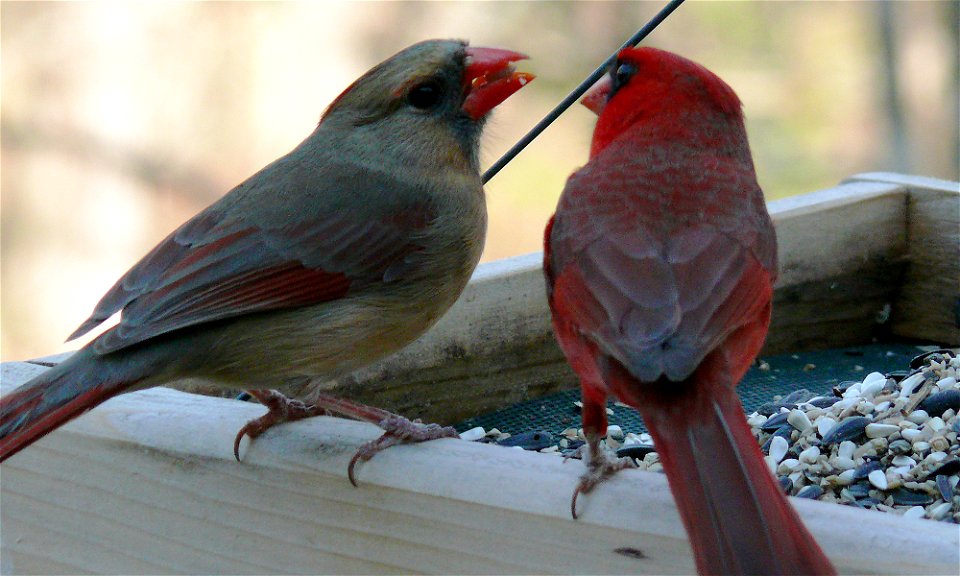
point(736, 515)
point(50, 400)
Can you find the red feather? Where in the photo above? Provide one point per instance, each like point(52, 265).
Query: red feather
point(660, 264)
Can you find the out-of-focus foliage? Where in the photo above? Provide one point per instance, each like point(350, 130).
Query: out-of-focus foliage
point(121, 120)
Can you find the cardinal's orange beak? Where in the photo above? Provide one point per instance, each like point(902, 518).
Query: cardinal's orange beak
point(490, 79)
point(597, 96)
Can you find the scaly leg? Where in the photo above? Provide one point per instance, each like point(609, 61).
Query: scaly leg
point(602, 463)
point(397, 429)
point(280, 409)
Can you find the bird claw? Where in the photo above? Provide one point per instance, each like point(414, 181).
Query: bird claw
point(279, 409)
point(601, 465)
point(398, 430)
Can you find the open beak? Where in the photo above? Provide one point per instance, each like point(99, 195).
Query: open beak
point(597, 97)
point(490, 79)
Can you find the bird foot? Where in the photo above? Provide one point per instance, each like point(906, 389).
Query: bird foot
point(280, 409)
point(398, 430)
point(601, 465)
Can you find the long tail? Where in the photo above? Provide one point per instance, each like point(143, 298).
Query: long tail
point(738, 519)
point(55, 397)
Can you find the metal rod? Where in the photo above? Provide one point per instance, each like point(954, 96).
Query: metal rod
point(578, 91)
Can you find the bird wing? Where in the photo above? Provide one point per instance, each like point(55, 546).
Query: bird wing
point(657, 297)
point(227, 262)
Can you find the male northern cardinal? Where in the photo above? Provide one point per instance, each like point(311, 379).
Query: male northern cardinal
point(660, 263)
point(333, 256)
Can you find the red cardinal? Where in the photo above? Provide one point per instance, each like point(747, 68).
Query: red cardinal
point(660, 264)
point(335, 255)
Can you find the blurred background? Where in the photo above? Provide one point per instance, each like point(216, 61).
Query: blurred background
point(121, 120)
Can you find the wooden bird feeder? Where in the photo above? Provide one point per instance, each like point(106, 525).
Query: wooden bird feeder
point(147, 482)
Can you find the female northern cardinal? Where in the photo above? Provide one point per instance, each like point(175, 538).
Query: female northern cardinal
point(660, 263)
point(335, 255)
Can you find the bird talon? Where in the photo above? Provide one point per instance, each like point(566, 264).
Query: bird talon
point(397, 430)
point(573, 502)
point(279, 409)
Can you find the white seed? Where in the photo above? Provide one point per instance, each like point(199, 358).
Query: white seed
point(570, 433)
point(881, 430)
point(909, 383)
point(550, 449)
point(810, 455)
point(778, 448)
point(865, 407)
point(798, 419)
point(473, 434)
point(918, 416)
point(915, 512)
point(872, 384)
point(564, 443)
point(921, 447)
point(947, 383)
point(912, 434)
point(878, 479)
point(852, 392)
point(936, 424)
point(903, 461)
point(824, 425)
point(883, 406)
point(843, 404)
point(906, 425)
point(756, 420)
point(843, 463)
point(846, 477)
point(938, 511)
point(934, 458)
point(614, 431)
point(846, 449)
point(788, 466)
point(873, 377)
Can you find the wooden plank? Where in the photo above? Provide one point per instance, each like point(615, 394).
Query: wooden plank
point(147, 483)
point(928, 306)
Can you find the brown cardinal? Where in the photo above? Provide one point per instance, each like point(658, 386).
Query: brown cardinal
point(660, 264)
point(333, 256)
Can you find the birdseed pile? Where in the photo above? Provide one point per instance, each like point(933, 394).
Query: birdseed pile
point(874, 427)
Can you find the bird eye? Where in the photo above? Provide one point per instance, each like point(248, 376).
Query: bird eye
point(622, 74)
point(425, 96)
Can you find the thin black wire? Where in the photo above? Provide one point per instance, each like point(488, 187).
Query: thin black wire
point(578, 91)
